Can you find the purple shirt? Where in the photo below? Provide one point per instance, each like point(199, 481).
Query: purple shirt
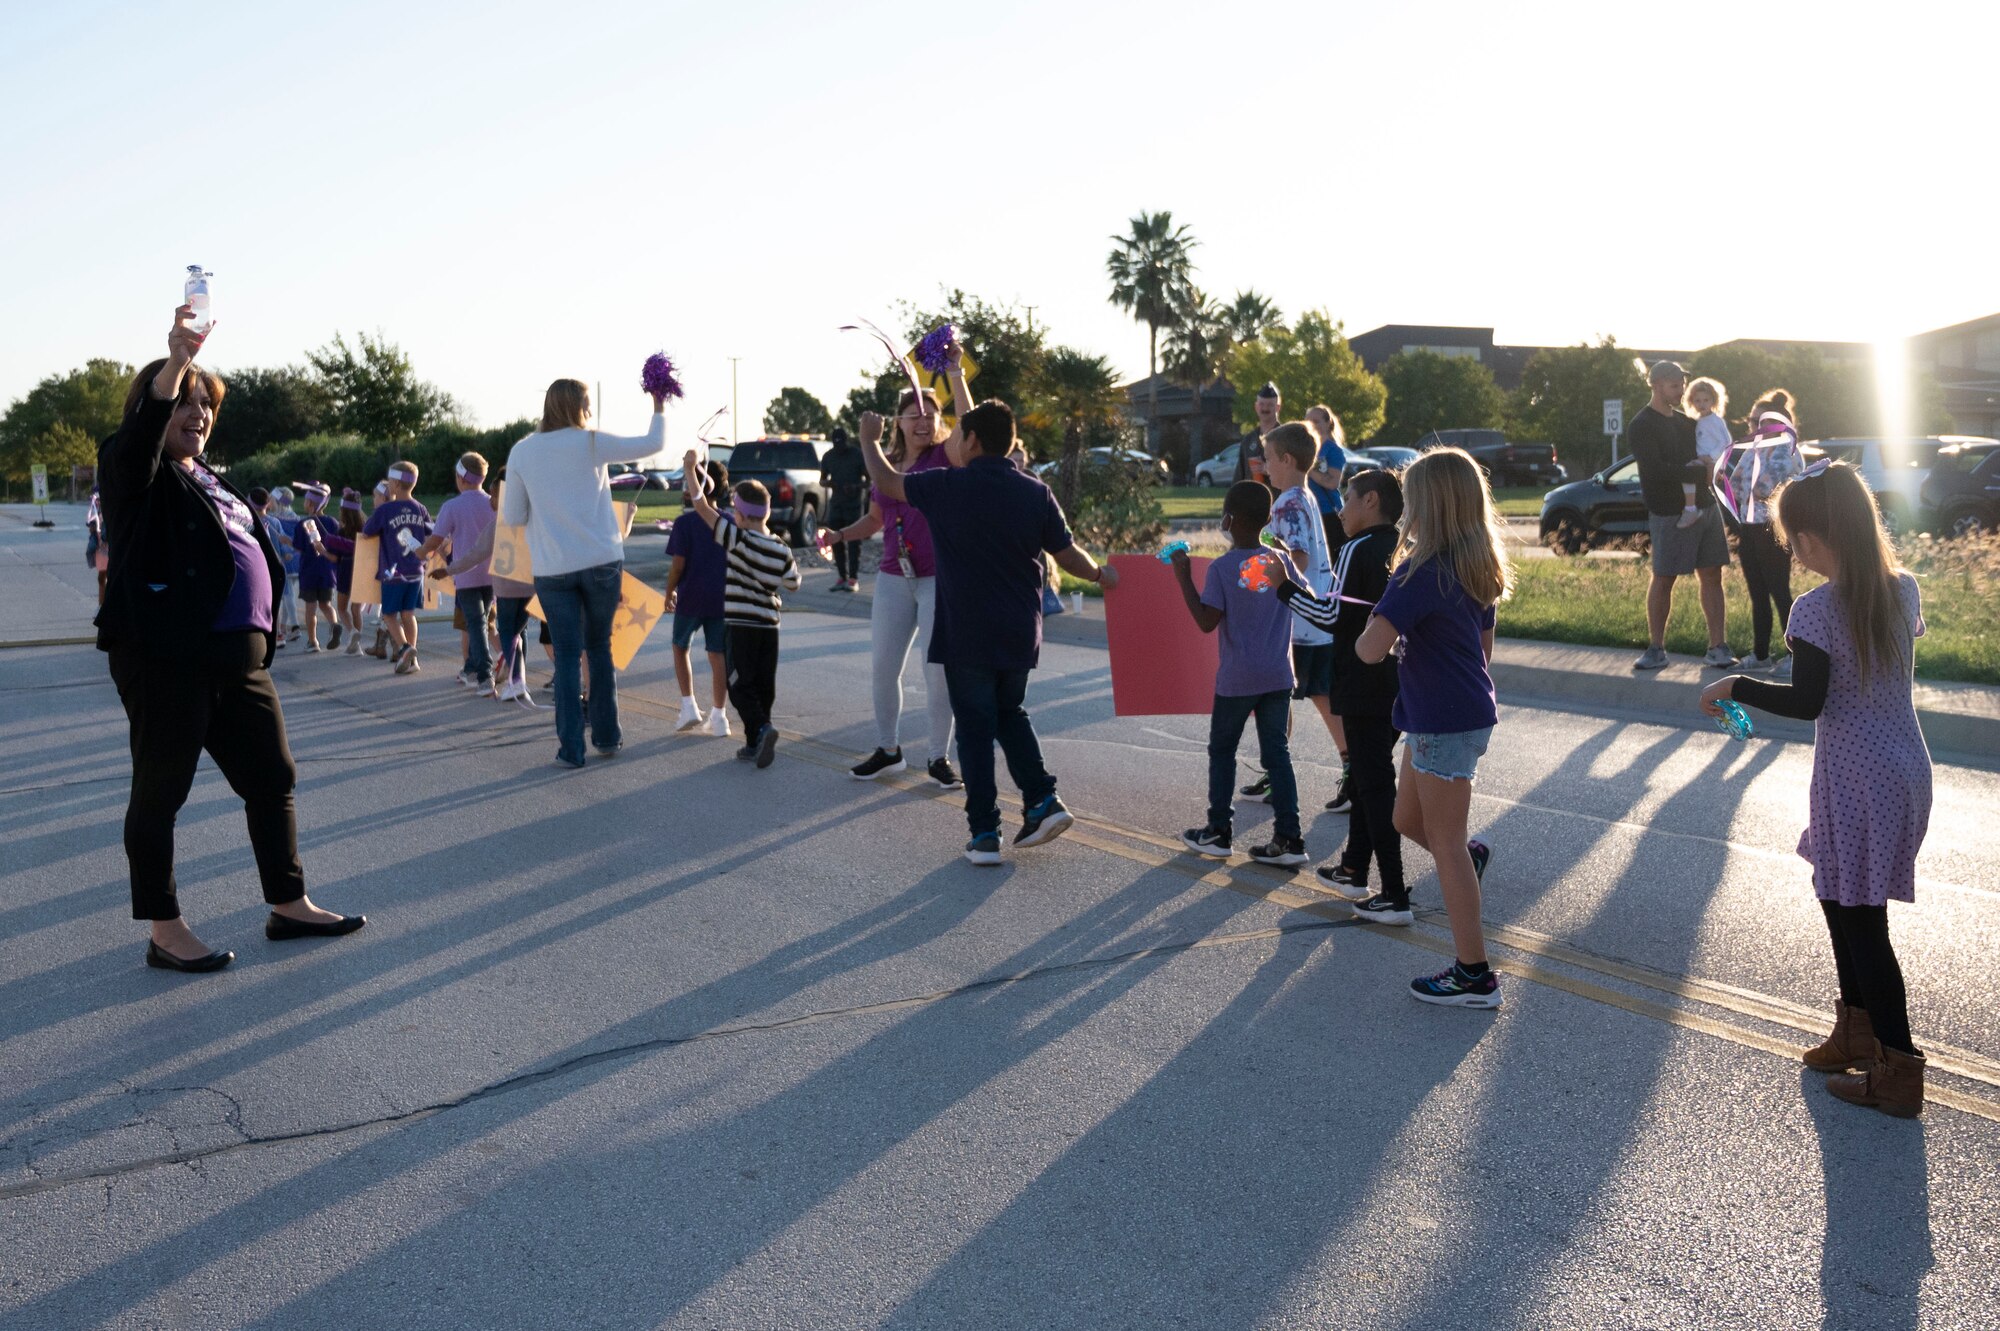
point(249, 603)
point(1256, 628)
point(462, 520)
point(403, 525)
point(903, 528)
point(699, 592)
point(1443, 686)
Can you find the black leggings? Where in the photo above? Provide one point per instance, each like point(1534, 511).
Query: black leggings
point(753, 676)
point(847, 559)
point(1371, 822)
point(1767, 571)
point(1870, 979)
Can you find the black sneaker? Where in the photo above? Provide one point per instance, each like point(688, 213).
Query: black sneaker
point(1343, 799)
point(767, 745)
point(334, 641)
point(1381, 910)
point(1482, 855)
point(983, 849)
point(942, 776)
point(1280, 850)
point(1349, 883)
point(1044, 823)
point(1207, 841)
point(1258, 790)
point(1453, 987)
point(748, 753)
point(879, 763)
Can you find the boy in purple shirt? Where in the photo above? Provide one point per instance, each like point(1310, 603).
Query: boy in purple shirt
point(1253, 677)
point(694, 594)
point(403, 525)
point(462, 521)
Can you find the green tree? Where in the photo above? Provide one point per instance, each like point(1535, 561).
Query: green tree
point(1149, 271)
point(795, 411)
point(266, 407)
point(1118, 508)
point(374, 393)
point(1251, 315)
point(1562, 395)
point(1078, 393)
point(1432, 392)
point(1310, 362)
point(1197, 353)
point(62, 448)
point(1832, 397)
point(90, 401)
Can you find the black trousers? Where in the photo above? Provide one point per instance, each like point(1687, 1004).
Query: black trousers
point(1371, 823)
point(1767, 571)
point(989, 707)
point(753, 676)
point(226, 705)
point(847, 559)
point(1870, 977)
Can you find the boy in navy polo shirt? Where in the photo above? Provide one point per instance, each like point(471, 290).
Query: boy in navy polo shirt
point(990, 524)
point(403, 526)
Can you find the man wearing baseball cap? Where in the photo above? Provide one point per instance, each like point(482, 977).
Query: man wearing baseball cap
point(1663, 442)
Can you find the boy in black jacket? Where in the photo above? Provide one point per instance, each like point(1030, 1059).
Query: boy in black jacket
point(1364, 695)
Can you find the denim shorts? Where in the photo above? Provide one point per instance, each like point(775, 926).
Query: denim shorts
point(714, 631)
point(1454, 757)
point(398, 597)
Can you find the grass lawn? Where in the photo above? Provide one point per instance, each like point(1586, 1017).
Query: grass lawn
point(1184, 501)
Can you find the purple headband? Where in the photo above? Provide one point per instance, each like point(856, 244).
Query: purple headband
point(403, 474)
point(745, 509)
point(351, 501)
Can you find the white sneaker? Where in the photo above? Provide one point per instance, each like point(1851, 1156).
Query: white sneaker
point(353, 647)
point(312, 646)
point(1782, 672)
point(1755, 665)
point(718, 724)
point(1689, 516)
point(465, 679)
point(1720, 657)
point(511, 690)
point(691, 717)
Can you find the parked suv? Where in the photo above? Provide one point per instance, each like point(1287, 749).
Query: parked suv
point(1506, 462)
point(1220, 469)
point(1962, 493)
point(788, 466)
point(1894, 469)
point(1606, 509)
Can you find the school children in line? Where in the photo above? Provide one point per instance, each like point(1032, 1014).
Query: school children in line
point(402, 525)
point(461, 521)
point(696, 586)
point(1853, 652)
point(283, 524)
point(1253, 675)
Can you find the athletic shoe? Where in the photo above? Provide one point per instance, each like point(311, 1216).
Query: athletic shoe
point(1689, 516)
point(611, 752)
point(408, 664)
point(278, 641)
point(942, 776)
point(1280, 850)
point(1452, 987)
point(842, 585)
point(466, 679)
point(1343, 798)
point(984, 848)
point(767, 745)
point(353, 645)
point(1719, 657)
point(748, 753)
point(512, 690)
point(396, 653)
point(482, 687)
point(312, 647)
point(1482, 855)
point(691, 717)
point(1381, 910)
point(1653, 658)
point(1347, 883)
point(1258, 790)
point(718, 724)
point(1207, 841)
point(333, 643)
point(1755, 665)
point(1043, 823)
point(879, 763)
point(1782, 672)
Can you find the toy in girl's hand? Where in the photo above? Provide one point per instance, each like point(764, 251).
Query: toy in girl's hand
point(1272, 541)
point(658, 377)
point(1170, 549)
point(1735, 720)
point(934, 351)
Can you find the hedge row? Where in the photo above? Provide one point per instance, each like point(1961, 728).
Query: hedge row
point(350, 461)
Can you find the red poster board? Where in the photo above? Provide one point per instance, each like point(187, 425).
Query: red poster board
point(1161, 664)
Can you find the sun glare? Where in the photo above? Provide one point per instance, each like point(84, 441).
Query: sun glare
point(1892, 387)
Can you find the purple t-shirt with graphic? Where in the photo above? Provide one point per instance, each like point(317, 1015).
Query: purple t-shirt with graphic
point(1443, 685)
point(1256, 628)
point(699, 592)
point(249, 603)
point(462, 520)
point(903, 528)
point(403, 525)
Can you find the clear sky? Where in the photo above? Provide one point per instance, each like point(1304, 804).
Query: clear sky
point(516, 192)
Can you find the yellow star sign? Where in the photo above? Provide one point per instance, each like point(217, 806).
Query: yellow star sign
point(939, 385)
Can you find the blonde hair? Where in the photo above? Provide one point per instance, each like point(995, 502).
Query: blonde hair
point(1448, 516)
point(566, 405)
point(474, 465)
point(1713, 386)
point(1333, 428)
point(1297, 440)
point(398, 488)
point(1837, 507)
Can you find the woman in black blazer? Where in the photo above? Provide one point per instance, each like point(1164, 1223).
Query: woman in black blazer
point(187, 623)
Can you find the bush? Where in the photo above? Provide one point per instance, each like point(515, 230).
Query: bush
point(346, 460)
point(1118, 512)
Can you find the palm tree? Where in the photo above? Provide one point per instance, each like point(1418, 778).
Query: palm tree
point(1149, 270)
point(1080, 390)
point(1251, 315)
point(1197, 348)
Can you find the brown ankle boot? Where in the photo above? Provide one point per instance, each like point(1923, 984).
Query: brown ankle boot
point(1851, 1045)
point(1894, 1085)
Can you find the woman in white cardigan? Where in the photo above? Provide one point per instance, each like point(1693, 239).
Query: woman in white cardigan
point(557, 489)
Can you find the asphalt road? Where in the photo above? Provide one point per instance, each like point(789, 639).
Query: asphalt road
point(670, 1042)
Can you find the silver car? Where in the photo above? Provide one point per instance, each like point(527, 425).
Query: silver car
point(1894, 469)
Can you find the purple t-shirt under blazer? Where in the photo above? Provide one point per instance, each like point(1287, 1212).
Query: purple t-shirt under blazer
point(249, 603)
point(1443, 685)
point(1255, 647)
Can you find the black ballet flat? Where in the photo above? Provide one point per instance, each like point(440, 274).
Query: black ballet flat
point(162, 959)
point(278, 927)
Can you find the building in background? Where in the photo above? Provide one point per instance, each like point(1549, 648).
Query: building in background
point(1965, 358)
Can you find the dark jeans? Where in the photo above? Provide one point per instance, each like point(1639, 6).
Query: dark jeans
point(510, 614)
point(987, 706)
point(1767, 572)
point(580, 607)
point(1371, 822)
point(752, 662)
point(847, 559)
point(1870, 979)
point(1226, 720)
point(226, 704)
point(475, 603)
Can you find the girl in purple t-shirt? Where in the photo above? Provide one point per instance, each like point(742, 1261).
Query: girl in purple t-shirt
point(1452, 571)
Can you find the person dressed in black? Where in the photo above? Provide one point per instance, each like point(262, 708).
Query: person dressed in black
point(844, 473)
point(187, 623)
point(1250, 448)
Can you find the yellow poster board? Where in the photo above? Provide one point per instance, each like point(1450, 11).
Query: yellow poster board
point(367, 589)
point(510, 554)
point(639, 609)
point(626, 511)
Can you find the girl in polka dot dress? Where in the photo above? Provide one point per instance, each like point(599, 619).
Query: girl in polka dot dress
point(1853, 649)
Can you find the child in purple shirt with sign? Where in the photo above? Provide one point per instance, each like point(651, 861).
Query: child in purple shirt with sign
point(403, 525)
point(1253, 677)
point(1440, 602)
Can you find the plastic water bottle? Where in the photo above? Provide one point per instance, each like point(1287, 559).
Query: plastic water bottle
point(197, 296)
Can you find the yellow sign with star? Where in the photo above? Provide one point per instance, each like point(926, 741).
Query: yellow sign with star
point(640, 608)
point(939, 385)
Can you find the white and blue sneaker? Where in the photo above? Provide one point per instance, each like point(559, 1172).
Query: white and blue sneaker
point(1043, 823)
point(983, 849)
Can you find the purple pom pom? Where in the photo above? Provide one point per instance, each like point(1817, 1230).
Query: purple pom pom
point(658, 377)
point(932, 351)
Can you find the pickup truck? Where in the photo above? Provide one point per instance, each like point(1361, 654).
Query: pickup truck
point(788, 466)
point(1506, 462)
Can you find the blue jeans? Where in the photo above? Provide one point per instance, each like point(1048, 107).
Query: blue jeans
point(475, 603)
point(511, 616)
point(986, 704)
point(1225, 731)
point(580, 607)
